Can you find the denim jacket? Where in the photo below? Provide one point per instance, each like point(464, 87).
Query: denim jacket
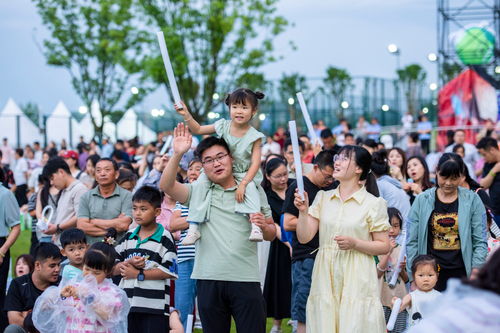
point(471, 228)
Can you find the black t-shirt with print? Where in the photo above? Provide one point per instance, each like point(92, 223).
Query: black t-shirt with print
point(494, 188)
point(303, 251)
point(443, 240)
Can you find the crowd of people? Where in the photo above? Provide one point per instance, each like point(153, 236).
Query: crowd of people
point(131, 237)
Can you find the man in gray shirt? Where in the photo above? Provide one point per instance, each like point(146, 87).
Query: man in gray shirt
point(71, 190)
point(105, 206)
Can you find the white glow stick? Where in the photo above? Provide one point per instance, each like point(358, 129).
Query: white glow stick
point(166, 145)
point(296, 157)
point(394, 314)
point(307, 118)
point(168, 68)
point(402, 254)
point(189, 324)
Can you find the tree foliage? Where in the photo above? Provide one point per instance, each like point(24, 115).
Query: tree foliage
point(32, 111)
point(449, 70)
point(98, 43)
point(337, 83)
point(412, 78)
point(213, 45)
point(289, 85)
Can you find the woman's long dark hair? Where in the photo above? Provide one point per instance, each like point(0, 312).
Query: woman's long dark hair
point(271, 165)
point(363, 160)
point(45, 192)
point(426, 181)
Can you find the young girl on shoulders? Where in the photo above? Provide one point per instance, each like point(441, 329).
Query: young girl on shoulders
point(90, 304)
point(425, 274)
point(244, 143)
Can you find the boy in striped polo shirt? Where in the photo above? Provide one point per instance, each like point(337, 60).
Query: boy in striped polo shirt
point(149, 260)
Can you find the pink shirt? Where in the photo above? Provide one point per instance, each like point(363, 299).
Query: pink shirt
point(164, 219)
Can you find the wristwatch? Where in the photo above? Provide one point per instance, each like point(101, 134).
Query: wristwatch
point(58, 229)
point(140, 276)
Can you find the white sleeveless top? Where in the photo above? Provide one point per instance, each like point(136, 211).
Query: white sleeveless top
point(418, 304)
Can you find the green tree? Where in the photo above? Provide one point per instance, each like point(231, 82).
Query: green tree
point(32, 111)
point(337, 83)
point(412, 78)
point(288, 86)
point(213, 44)
point(97, 43)
point(449, 70)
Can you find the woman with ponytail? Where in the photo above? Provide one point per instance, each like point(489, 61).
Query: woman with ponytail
point(353, 227)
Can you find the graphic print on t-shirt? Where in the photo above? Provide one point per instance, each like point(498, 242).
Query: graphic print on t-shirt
point(445, 231)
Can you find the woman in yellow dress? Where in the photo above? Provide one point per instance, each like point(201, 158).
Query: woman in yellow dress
point(353, 227)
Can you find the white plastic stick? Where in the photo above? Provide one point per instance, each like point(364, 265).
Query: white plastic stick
point(189, 324)
point(43, 224)
point(402, 254)
point(166, 145)
point(296, 157)
point(394, 314)
point(307, 119)
point(168, 68)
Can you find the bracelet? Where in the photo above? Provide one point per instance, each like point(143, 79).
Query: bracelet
point(492, 174)
point(380, 269)
point(2, 254)
point(186, 120)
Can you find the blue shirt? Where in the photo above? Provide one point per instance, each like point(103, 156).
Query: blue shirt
point(70, 272)
point(424, 126)
point(9, 211)
point(374, 129)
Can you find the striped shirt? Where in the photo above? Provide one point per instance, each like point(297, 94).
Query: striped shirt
point(184, 252)
point(149, 296)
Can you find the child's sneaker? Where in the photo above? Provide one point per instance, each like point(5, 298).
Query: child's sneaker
point(275, 329)
point(191, 238)
point(256, 234)
point(192, 234)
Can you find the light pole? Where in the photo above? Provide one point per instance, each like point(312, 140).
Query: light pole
point(395, 50)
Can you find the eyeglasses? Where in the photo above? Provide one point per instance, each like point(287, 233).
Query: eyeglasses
point(340, 158)
point(283, 175)
point(327, 176)
point(210, 161)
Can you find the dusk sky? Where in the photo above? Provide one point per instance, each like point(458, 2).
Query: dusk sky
point(347, 34)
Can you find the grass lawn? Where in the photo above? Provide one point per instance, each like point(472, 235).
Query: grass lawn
point(22, 246)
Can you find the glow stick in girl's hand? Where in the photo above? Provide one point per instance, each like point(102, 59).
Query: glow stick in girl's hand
point(307, 119)
point(296, 157)
point(168, 68)
point(166, 145)
point(394, 314)
point(401, 258)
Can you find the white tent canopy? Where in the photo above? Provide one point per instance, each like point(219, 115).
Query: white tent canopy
point(130, 126)
point(12, 120)
point(58, 126)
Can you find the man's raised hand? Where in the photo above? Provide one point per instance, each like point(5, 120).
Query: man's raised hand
point(182, 139)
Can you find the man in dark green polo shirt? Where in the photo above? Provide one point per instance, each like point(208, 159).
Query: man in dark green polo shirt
point(106, 206)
